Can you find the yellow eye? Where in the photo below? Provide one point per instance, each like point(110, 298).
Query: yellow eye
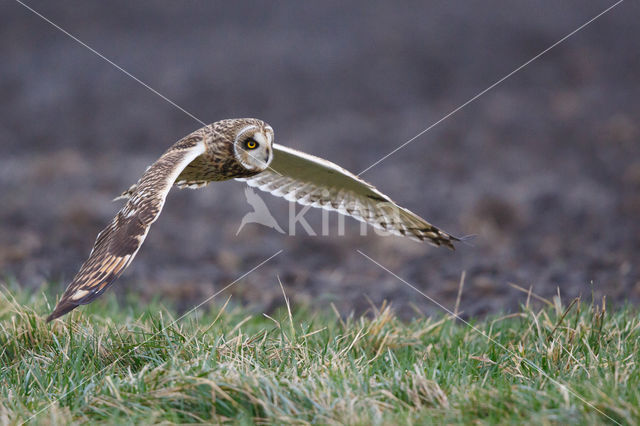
point(251, 144)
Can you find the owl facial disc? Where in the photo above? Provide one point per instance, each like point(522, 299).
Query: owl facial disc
point(252, 147)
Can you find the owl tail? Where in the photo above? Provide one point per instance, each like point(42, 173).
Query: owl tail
point(126, 194)
point(129, 192)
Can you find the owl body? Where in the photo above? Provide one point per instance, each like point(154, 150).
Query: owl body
point(240, 149)
point(224, 157)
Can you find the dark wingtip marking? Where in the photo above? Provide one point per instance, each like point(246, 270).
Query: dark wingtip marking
point(442, 239)
point(62, 308)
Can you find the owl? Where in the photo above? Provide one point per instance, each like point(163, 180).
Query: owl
point(241, 149)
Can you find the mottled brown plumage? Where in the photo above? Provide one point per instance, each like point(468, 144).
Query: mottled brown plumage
point(118, 243)
point(242, 149)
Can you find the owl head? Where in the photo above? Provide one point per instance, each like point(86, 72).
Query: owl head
point(252, 143)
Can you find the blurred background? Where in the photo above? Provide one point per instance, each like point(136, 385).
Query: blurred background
point(544, 168)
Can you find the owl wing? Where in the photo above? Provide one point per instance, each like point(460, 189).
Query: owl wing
point(118, 243)
point(310, 180)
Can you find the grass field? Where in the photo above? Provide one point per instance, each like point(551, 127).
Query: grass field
point(572, 363)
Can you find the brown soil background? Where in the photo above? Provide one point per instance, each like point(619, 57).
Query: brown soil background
point(545, 168)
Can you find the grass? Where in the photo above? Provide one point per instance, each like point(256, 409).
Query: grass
point(131, 364)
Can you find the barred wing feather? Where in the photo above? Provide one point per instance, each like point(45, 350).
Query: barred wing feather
point(310, 180)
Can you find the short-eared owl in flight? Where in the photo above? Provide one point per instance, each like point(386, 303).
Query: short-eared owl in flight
point(240, 149)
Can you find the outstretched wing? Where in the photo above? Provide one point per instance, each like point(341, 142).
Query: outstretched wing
point(118, 243)
point(310, 180)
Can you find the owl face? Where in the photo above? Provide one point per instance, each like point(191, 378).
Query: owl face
point(252, 145)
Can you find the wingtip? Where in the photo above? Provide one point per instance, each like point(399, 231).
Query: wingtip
point(61, 309)
point(466, 240)
point(446, 240)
